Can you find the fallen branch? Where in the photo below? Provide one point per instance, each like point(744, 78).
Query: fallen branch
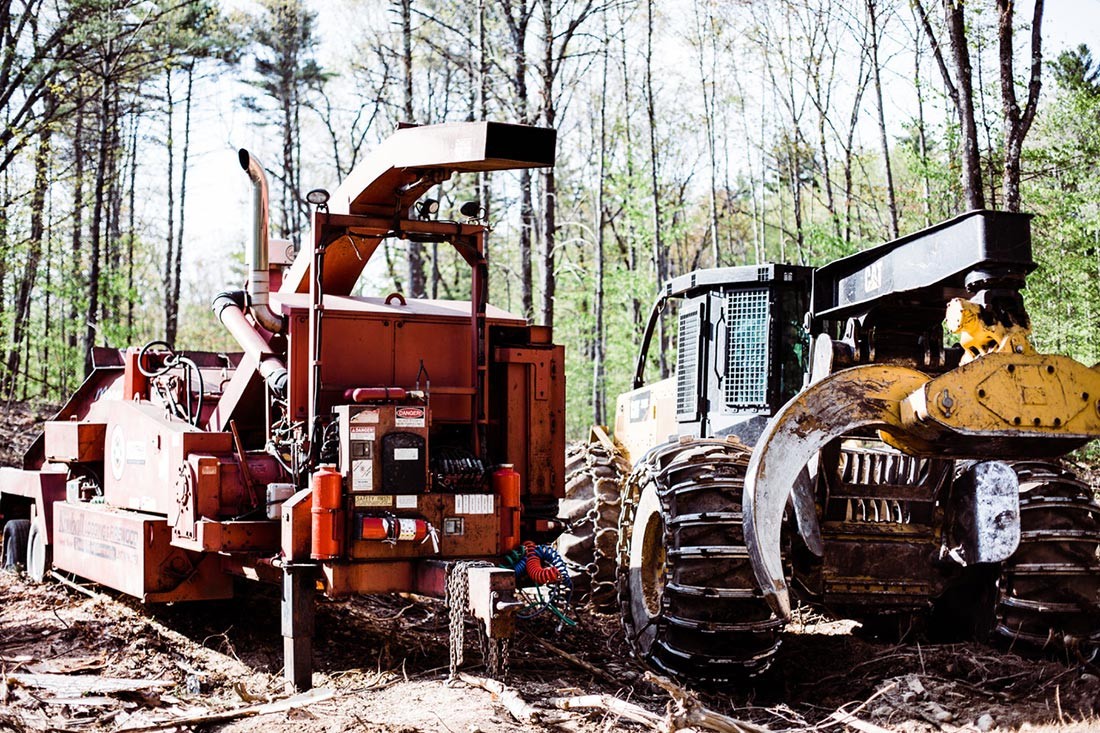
point(279, 706)
point(844, 717)
point(77, 685)
point(612, 704)
point(577, 661)
point(685, 711)
point(519, 708)
point(853, 722)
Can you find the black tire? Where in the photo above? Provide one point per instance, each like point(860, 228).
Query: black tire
point(690, 603)
point(1049, 590)
point(15, 542)
point(39, 554)
point(594, 477)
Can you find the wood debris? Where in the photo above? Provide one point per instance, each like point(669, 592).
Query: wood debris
point(74, 685)
point(279, 706)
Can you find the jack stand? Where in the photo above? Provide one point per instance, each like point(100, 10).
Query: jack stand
point(297, 624)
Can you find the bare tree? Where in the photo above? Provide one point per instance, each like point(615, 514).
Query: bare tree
point(557, 37)
point(414, 255)
point(1017, 122)
point(660, 262)
point(960, 89)
point(517, 18)
point(876, 70)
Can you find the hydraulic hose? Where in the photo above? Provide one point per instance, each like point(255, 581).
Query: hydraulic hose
point(229, 308)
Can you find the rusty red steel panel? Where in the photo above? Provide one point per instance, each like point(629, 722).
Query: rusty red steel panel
point(44, 488)
point(144, 454)
point(70, 441)
point(132, 552)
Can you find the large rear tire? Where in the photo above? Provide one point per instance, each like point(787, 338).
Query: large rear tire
point(594, 477)
point(15, 542)
point(689, 600)
point(1049, 590)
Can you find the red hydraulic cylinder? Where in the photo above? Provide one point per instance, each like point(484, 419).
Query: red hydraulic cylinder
point(375, 394)
point(506, 486)
point(327, 525)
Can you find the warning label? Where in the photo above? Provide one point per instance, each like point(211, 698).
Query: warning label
point(362, 475)
point(409, 417)
point(362, 432)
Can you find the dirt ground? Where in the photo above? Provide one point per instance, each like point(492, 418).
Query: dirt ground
point(384, 661)
point(381, 665)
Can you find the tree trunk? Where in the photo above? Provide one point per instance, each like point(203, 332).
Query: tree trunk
point(549, 182)
point(960, 52)
point(707, 87)
point(659, 260)
point(1017, 123)
point(77, 234)
point(872, 18)
point(414, 250)
point(517, 17)
point(171, 304)
point(922, 138)
point(21, 315)
point(113, 227)
point(598, 345)
point(92, 324)
point(177, 260)
point(131, 230)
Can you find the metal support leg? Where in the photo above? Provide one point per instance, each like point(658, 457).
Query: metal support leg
point(297, 625)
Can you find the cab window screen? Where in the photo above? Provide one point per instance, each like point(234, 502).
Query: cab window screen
point(687, 364)
point(747, 342)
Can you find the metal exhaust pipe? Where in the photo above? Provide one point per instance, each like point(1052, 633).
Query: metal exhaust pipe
point(258, 278)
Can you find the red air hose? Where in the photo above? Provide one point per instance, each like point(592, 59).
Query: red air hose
point(535, 570)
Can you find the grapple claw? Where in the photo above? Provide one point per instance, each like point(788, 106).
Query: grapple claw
point(860, 398)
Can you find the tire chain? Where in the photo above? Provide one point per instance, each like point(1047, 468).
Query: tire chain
point(601, 473)
point(722, 463)
point(1049, 590)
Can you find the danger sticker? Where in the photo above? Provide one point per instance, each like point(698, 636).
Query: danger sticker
point(409, 417)
point(362, 432)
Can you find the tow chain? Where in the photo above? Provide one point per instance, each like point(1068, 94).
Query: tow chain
point(457, 597)
point(496, 653)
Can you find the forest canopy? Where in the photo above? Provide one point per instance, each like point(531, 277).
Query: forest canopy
point(691, 133)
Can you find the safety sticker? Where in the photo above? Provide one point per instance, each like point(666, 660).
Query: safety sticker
point(409, 417)
point(406, 454)
point(406, 501)
point(473, 503)
point(373, 500)
point(362, 475)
